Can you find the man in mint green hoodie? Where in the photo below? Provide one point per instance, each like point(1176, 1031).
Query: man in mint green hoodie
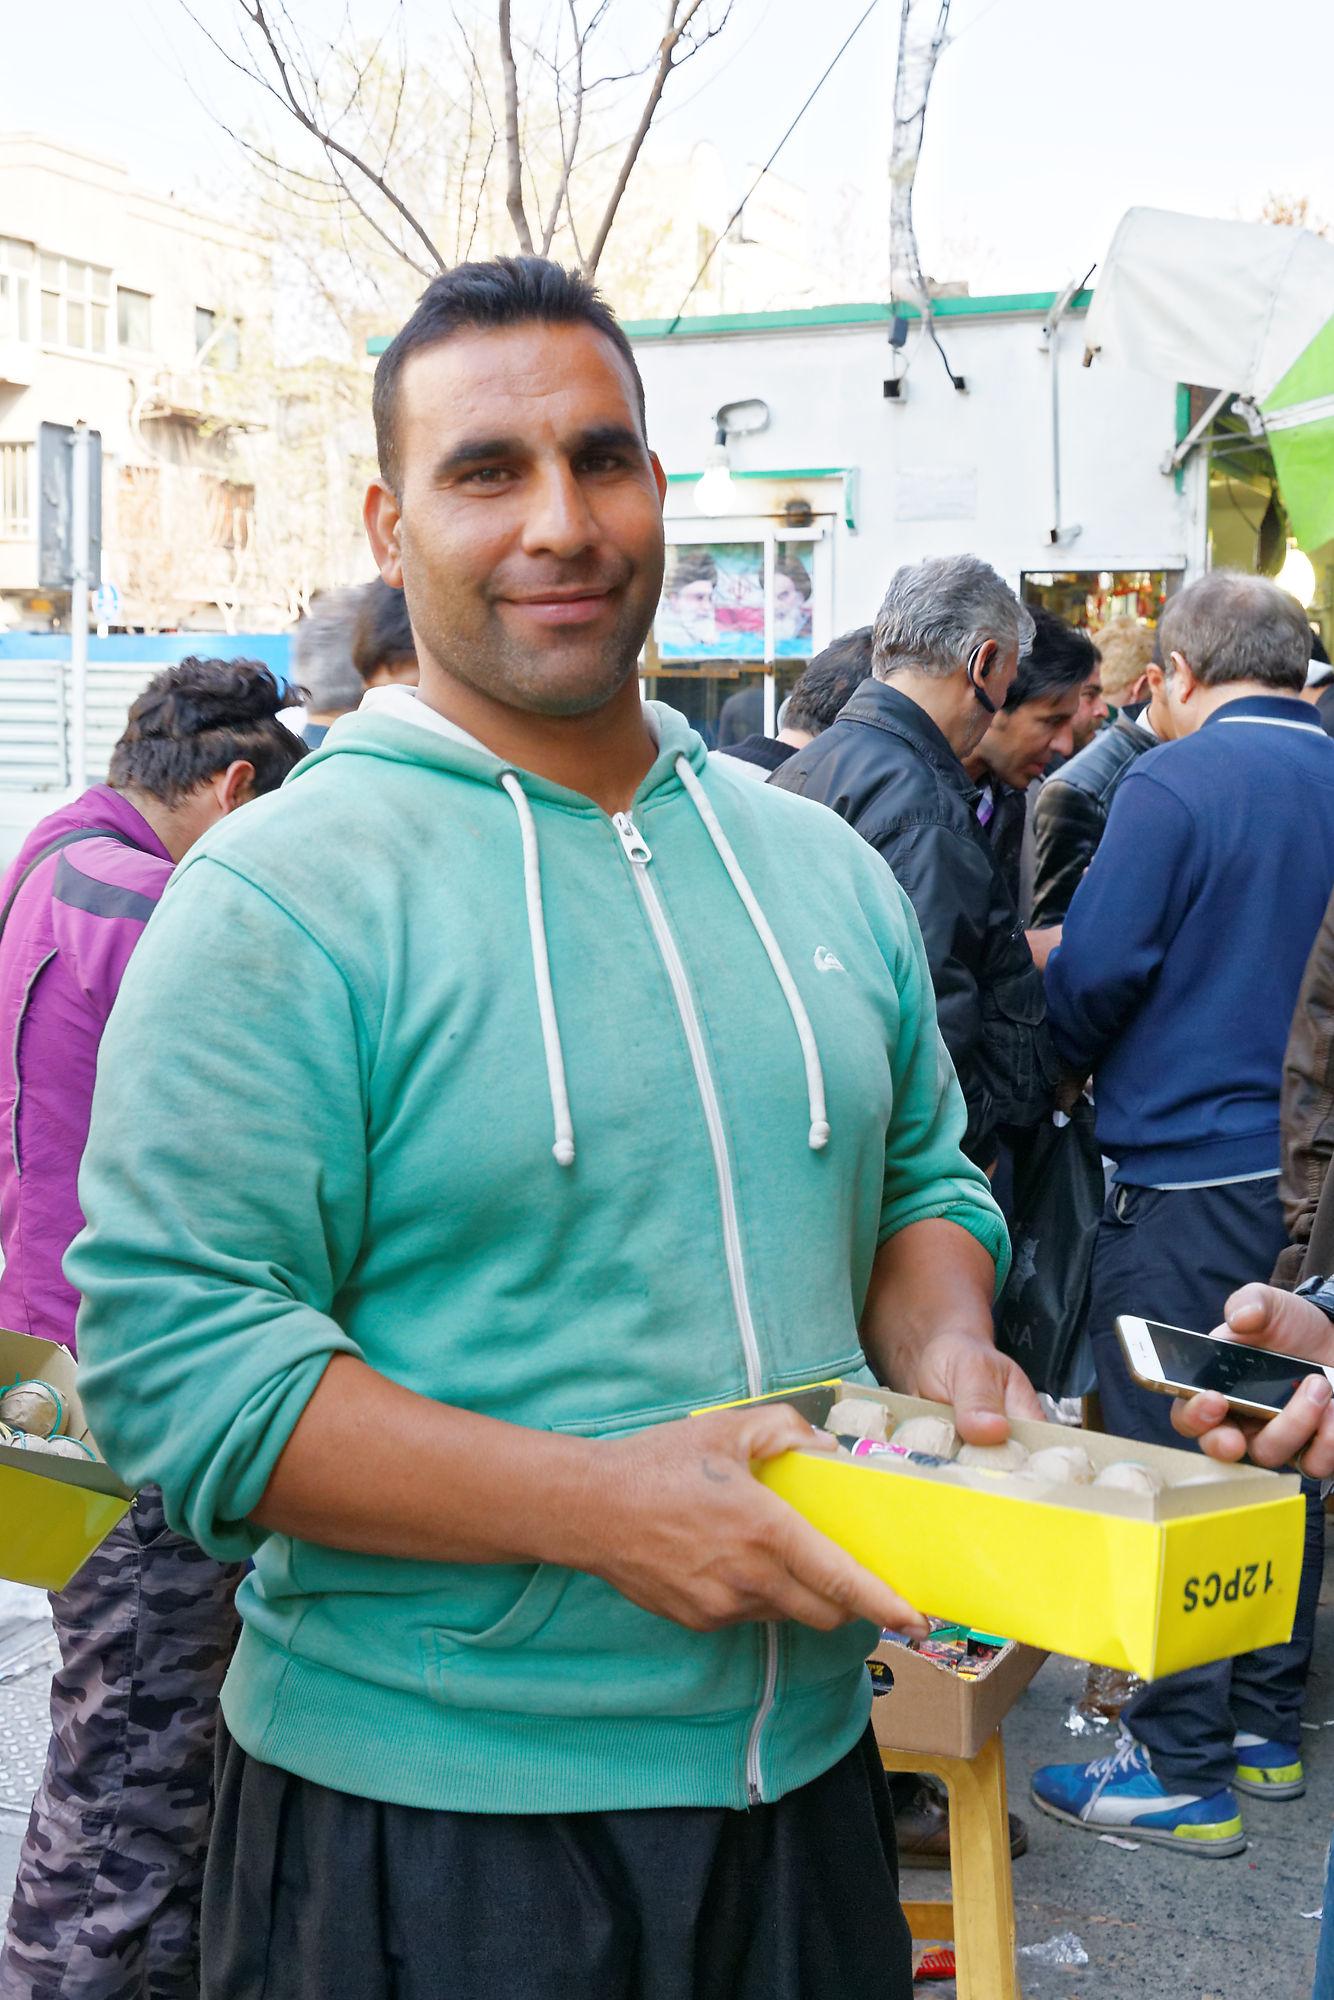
point(472, 1113)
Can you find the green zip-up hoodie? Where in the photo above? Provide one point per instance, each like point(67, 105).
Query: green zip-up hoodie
point(431, 1062)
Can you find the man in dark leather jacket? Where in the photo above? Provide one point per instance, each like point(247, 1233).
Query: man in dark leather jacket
point(1072, 807)
point(947, 643)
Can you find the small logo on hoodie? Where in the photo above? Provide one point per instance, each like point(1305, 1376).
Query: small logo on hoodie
point(825, 960)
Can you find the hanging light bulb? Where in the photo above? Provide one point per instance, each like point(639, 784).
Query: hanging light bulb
point(716, 489)
point(1297, 576)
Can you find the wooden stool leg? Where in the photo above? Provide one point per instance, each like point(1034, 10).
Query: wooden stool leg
point(980, 1871)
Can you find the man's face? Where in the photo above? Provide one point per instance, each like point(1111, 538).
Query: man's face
point(789, 607)
point(1021, 742)
point(527, 531)
point(693, 605)
point(1092, 710)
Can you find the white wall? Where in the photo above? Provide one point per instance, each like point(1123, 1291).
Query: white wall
point(824, 388)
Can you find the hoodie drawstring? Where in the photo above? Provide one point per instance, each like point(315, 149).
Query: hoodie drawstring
point(563, 1149)
point(818, 1136)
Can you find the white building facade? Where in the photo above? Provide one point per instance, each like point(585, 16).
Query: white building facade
point(845, 462)
point(125, 310)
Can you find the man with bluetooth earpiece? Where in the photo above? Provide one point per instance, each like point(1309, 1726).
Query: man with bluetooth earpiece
point(947, 645)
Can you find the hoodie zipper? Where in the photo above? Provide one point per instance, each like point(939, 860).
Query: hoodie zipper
point(639, 854)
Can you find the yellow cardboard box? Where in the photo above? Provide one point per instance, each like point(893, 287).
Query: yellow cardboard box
point(1153, 1582)
point(53, 1511)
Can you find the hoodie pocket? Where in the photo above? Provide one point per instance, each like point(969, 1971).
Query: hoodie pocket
point(461, 1665)
point(571, 1646)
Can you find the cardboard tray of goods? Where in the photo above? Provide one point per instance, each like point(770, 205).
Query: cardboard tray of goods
point(53, 1511)
point(933, 1710)
point(1204, 1568)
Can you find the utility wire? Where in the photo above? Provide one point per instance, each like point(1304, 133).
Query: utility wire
point(859, 24)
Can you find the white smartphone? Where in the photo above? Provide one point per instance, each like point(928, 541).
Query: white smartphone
point(1180, 1363)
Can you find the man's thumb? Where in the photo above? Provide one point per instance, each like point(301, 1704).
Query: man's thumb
point(1252, 1309)
point(779, 1429)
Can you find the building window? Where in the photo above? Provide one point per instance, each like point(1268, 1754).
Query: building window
point(133, 327)
point(217, 339)
point(16, 492)
point(76, 305)
point(16, 261)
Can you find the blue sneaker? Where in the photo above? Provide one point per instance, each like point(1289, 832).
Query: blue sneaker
point(1268, 1770)
point(1120, 1794)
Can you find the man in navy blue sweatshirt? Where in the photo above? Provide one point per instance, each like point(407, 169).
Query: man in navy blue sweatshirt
point(1174, 985)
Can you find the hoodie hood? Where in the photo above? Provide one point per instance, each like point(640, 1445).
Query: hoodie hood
point(395, 723)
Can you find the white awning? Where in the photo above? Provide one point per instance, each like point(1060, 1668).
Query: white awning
point(1227, 305)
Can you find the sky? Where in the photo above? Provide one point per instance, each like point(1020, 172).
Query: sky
point(1047, 119)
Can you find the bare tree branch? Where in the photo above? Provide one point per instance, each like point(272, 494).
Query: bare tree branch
point(381, 146)
point(569, 146)
point(518, 215)
point(680, 13)
point(334, 147)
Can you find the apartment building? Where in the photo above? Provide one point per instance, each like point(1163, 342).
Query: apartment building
point(146, 319)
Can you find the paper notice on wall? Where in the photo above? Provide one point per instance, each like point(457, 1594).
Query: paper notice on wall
point(936, 493)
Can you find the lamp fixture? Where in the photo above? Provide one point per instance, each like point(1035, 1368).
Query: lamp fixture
point(1297, 576)
point(716, 491)
point(717, 488)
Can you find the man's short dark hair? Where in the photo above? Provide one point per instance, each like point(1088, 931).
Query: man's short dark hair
point(1061, 657)
point(477, 298)
point(1230, 626)
point(194, 720)
point(831, 679)
point(382, 635)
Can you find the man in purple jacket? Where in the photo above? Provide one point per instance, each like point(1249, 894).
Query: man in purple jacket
point(106, 1902)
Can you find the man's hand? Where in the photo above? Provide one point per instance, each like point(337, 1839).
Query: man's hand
point(1069, 1091)
point(675, 1520)
point(1263, 1316)
point(1043, 943)
point(985, 1387)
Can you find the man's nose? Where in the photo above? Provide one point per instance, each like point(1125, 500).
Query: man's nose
point(558, 521)
point(1062, 742)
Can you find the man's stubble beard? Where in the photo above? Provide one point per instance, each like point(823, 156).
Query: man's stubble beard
point(536, 680)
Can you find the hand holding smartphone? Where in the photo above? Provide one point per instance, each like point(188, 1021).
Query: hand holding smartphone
point(1176, 1362)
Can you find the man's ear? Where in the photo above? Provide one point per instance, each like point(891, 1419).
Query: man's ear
point(1184, 676)
point(382, 516)
point(234, 786)
point(659, 476)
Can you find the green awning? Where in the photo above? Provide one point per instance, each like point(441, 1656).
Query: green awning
point(1299, 423)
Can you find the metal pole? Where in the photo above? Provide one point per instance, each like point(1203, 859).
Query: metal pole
point(78, 609)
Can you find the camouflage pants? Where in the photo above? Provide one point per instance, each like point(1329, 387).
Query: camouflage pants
point(106, 1906)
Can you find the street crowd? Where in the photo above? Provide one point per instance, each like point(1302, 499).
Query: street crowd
point(415, 1119)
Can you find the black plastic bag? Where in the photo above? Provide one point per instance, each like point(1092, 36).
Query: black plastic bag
point(1058, 1198)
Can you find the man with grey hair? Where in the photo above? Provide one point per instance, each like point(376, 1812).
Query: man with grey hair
point(946, 646)
point(1175, 984)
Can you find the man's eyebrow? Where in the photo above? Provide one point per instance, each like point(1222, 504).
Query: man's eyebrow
point(608, 437)
point(488, 450)
point(478, 451)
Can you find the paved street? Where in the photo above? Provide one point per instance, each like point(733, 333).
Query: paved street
point(1155, 1927)
point(27, 1654)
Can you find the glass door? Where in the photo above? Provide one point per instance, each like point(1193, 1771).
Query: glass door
point(744, 606)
